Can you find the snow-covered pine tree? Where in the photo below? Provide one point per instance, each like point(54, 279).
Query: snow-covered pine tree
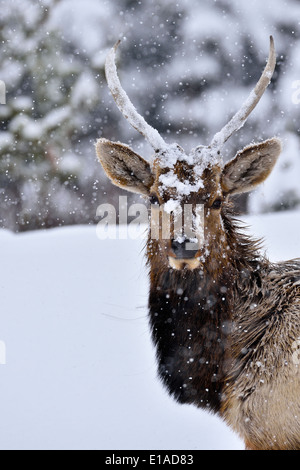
point(187, 66)
point(47, 82)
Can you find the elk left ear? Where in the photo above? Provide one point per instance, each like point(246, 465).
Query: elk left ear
point(124, 167)
point(250, 167)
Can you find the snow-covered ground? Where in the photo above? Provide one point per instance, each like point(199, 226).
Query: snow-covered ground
point(80, 369)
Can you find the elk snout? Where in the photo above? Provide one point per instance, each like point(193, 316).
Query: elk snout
point(184, 249)
point(183, 254)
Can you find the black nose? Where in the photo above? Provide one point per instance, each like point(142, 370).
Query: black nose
point(180, 249)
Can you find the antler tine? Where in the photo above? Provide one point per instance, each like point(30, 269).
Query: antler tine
point(239, 119)
point(126, 107)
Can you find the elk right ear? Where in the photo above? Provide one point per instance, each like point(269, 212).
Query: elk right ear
point(124, 167)
point(250, 167)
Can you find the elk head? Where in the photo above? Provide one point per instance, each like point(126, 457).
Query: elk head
point(175, 179)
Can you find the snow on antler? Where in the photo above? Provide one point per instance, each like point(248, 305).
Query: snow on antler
point(239, 119)
point(125, 105)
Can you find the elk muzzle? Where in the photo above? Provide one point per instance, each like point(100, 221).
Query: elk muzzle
point(184, 254)
point(184, 249)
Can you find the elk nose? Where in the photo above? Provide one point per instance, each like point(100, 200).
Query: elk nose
point(180, 249)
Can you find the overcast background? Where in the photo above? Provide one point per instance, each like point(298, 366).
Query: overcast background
point(187, 66)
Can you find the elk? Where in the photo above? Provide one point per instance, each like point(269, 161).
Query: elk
point(224, 319)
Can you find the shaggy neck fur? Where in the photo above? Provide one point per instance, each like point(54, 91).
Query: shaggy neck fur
point(191, 317)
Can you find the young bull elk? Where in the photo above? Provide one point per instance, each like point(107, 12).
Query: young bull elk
point(224, 319)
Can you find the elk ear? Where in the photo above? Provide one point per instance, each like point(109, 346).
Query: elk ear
point(250, 167)
point(124, 167)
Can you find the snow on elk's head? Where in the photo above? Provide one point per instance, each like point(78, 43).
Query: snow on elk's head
point(188, 192)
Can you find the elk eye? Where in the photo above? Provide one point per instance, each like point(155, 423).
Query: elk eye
point(217, 203)
point(154, 200)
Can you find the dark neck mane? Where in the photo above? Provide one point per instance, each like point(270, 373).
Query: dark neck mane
point(190, 317)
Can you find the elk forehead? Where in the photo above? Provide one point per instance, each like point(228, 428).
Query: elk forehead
point(187, 177)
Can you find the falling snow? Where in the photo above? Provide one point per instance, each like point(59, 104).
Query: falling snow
point(186, 67)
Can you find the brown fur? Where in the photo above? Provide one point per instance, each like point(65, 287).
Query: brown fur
point(124, 167)
point(250, 167)
point(224, 323)
point(224, 319)
point(261, 396)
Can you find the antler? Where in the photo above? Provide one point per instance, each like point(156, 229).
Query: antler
point(239, 119)
point(126, 107)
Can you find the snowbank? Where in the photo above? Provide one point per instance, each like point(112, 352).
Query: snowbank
point(80, 371)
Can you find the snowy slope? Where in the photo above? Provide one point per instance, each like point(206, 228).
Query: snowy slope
point(80, 370)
